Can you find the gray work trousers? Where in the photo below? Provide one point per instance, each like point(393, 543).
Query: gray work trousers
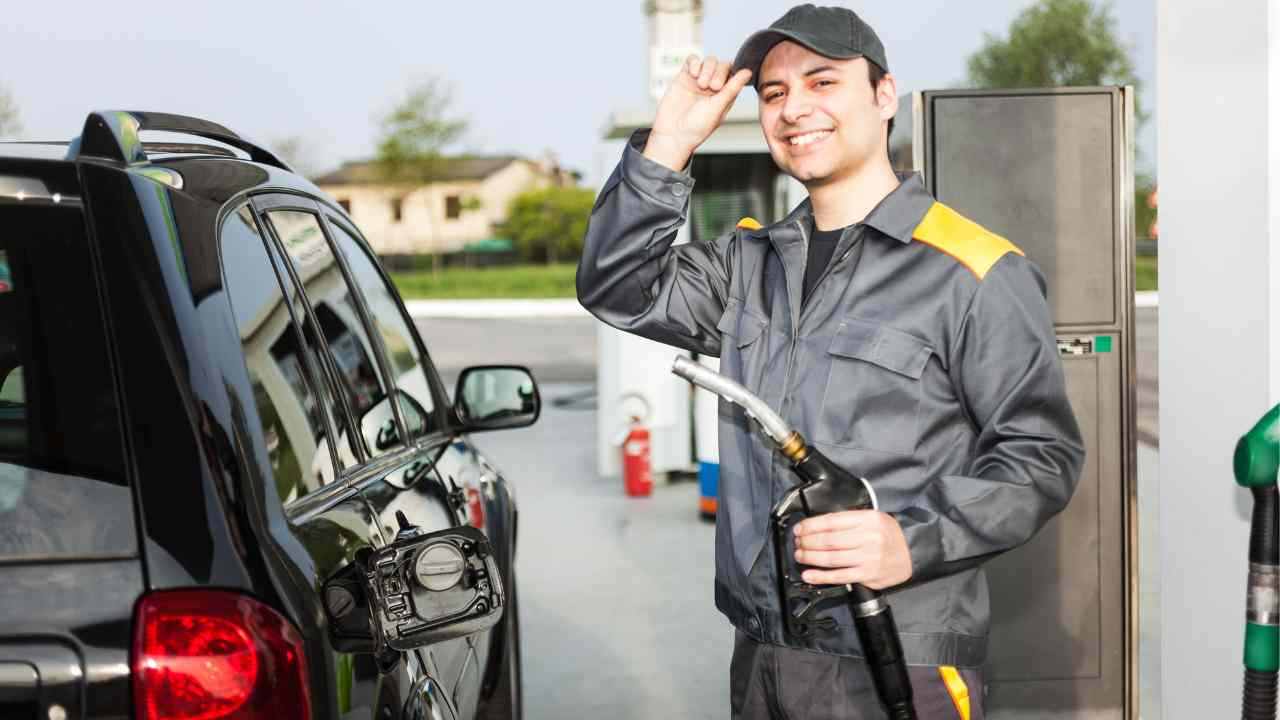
point(769, 682)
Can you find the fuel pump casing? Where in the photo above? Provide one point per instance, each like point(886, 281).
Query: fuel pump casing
point(1052, 171)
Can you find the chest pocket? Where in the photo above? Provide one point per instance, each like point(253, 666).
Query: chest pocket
point(872, 396)
point(742, 352)
point(739, 326)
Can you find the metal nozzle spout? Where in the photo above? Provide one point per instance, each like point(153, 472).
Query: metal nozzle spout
point(770, 422)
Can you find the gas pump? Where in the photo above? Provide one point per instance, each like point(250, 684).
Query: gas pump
point(1052, 170)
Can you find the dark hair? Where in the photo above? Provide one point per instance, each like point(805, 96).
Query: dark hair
point(875, 74)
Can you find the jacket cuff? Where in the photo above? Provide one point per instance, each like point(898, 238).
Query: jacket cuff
point(654, 179)
point(924, 542)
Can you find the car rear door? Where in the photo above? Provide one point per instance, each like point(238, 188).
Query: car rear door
point(369, 449)
point(70, 568)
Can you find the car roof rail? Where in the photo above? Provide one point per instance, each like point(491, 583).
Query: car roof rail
point(113, 135)
point(171, 148)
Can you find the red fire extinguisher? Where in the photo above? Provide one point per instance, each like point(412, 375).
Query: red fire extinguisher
point(637, 476)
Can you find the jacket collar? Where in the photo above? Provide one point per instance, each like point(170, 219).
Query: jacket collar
point(897, 215)
point(900, 212)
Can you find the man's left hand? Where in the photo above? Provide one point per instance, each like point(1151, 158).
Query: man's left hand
point(859, 546)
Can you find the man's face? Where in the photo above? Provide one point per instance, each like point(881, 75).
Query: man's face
point(820, 116)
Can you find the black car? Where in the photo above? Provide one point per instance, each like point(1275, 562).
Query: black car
point(232, 484)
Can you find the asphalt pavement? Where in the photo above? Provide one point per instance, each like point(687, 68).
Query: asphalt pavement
point(617, 610)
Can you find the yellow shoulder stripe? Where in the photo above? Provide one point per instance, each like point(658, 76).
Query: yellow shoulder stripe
point(972, 245)
point(957, 689)
point(749, 223)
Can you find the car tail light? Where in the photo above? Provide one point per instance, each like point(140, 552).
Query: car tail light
point(211, 654)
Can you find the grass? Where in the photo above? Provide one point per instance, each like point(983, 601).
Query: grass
point(508, 281)
point(1145, 270)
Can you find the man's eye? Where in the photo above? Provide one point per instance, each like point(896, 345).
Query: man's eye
point(825, 82)
point(772, 96)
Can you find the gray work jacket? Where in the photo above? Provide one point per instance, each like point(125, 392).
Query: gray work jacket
point(931, 369)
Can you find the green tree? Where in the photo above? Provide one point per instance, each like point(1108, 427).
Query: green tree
point(548, 224)
point(413, 136)
point(1063, 43)
point(9, 123)
point(1054, 43)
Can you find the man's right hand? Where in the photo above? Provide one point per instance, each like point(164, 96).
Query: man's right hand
point(693, 107)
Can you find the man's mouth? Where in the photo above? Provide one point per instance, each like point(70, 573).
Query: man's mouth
point(808, 138)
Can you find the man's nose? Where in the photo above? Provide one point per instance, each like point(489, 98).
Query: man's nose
point(795, 107)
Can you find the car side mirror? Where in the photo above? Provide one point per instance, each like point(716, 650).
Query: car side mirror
point(493, 397)
point(378, 424)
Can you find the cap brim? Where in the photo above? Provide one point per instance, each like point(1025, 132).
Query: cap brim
point(752, 53)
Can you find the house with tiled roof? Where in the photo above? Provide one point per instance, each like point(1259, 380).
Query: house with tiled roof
point(461, 204)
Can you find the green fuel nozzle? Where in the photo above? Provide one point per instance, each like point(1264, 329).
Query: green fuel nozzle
point(1256, 462)
point(1258, 453)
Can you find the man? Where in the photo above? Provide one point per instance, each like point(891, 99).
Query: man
point(911, 345)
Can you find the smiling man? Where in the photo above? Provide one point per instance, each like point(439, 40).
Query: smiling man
point(911, 345)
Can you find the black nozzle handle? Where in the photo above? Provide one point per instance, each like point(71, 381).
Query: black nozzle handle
point(1264, 534)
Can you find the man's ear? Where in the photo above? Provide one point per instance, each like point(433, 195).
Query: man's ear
point(887, 97)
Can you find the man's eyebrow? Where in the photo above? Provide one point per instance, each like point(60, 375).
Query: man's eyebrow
point(814, 71)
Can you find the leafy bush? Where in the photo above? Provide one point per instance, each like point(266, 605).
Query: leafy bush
point(547, 225)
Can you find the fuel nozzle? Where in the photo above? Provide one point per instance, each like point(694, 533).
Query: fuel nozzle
point(825, 487)
point(1257, 455)
point(1257, 459)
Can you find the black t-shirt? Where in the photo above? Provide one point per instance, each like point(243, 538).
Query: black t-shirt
point(822, 245)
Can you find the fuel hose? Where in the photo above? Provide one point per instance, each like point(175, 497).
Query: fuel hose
point(1257, 458)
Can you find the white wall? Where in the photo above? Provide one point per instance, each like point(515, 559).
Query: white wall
point(1218, 329)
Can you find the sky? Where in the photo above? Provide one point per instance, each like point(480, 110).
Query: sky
point(530, 77)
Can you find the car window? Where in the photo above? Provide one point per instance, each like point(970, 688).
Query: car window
point(341, 328)
point(294, 428)
point(63, 486)
point(402, 351)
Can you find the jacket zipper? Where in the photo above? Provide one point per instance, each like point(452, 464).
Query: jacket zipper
point(831, 266)
point(774, 462)
point(795, 330)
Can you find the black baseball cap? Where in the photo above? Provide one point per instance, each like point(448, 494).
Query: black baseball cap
point(832, 32)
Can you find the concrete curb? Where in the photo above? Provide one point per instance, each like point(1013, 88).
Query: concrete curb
point(549, 308)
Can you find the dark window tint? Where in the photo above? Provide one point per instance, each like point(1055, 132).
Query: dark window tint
point(63, 490)
point(397, 209)
point(453, 207)
point(407, 362)
point(338, 316)
point(284, 387)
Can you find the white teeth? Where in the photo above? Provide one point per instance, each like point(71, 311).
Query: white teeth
point(810, 137)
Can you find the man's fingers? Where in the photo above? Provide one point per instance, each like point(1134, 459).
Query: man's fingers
point(739, 81)
point(708, 69)
point(693, 64)
point(720, 77)
point(846, 576)
point(846, 520)
point(841, 576)
point(833, 540)
point(830, 558)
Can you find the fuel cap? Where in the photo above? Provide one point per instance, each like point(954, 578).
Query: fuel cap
point(439, 566)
